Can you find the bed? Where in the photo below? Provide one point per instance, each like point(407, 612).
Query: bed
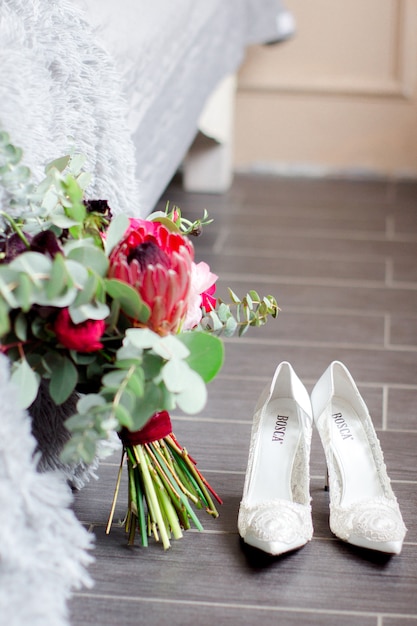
point(172, 56)
point(126, 83)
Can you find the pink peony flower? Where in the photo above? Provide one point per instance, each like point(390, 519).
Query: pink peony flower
point(83, 337)
point(157, 263)
point(201, 293)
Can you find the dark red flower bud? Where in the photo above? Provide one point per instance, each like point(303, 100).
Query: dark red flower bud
point(46, 242)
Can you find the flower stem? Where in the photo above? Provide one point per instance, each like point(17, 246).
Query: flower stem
point(116, 493)
point(150, 490)
point(16, 228)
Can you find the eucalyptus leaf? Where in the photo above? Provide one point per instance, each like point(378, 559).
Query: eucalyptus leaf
point(114, 378)
point(234, 298)
point(88, 293)
point(84, 179)
point(124, 417)
point(146, 406)
point(76, 163)
point(175, 375)
point(90, 257)
point(89, 401)
point(89, 311)
point(59, 164)
point(4, 318)
point(206, 353)
point(194, 395)
point(141, 338)
point(8, 281)
point(20, 327)
point(128, 400)
point(129, 299)
point(26, 381)
point(136, 382)
point(23, 292)
point(61, 220)
point(78, 273)
point(230, 327)
point(58, 277)
point(36, 265)
point(64, 377)
point(115, 232)
point(169, 347)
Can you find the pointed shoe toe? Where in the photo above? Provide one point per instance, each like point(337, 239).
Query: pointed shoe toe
point(276, 527)
point(275, 512)
point(373, 524)
point(363, 508)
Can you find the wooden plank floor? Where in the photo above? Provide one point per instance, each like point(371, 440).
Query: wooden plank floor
point(341, 258)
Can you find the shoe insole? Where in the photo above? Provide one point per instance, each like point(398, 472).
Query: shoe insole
point(353, 454)
point(278, 438)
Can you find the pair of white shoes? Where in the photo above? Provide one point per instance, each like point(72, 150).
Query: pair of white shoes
point(275, 511)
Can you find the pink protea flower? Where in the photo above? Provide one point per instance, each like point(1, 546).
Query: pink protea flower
point(201, 293)
point(157, 263)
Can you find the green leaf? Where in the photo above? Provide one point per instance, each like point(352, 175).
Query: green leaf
point(26, 381)
point(89, 311)
point(223, 312)
point(23, 292)
point(4, 318)
point(59, 164)
point(234, 298)
point(8, 279)
point(89, 401)
point(170, 347)
point(175, 374)
point(215, 321)
point(62, 221)
point(136, 382)
point(194, 395)
point(87, 294)
point(230, 327)
point(129, 299)
point(84, 180)
point(115, 232)
point(114, 378)
point(90, 257)
point(206, 353)
point(34, 264)
point(169, 224)
point(124, 417)
point(146, 406)
point(76, 163)
point(58, 277)
point(64, 377)
point(20, 327)
point(141, 338)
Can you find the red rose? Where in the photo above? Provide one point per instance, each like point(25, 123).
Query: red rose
point(157, 263)
point(83, 337)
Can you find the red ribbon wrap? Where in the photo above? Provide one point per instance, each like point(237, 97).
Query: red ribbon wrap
point(158, 427)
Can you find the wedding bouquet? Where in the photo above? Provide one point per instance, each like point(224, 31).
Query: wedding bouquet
point(115, 310)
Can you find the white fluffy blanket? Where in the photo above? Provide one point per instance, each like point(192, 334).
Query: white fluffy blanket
point(59, 91)
point(43, 548)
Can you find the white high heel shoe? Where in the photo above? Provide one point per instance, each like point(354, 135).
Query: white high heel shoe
point(275, 512)
point(363, 508)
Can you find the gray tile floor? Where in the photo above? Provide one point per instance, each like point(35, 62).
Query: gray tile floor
point(341, 259)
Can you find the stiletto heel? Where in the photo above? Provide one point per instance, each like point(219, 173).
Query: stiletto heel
point(275, 512)
point(363, 508)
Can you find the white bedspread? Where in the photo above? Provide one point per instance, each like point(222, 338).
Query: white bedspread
point(171, 55)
